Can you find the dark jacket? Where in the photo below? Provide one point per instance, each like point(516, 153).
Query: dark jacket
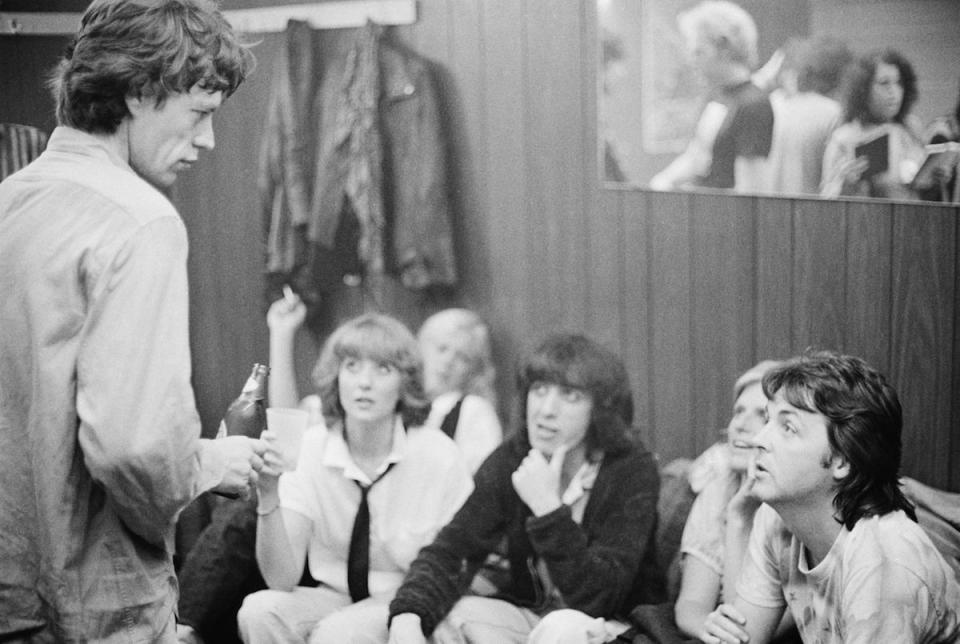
point(220, 571)
point(354, 156)
point(603, 567)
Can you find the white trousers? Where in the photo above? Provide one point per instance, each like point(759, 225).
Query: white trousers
point(483, 620)
point(314, 615)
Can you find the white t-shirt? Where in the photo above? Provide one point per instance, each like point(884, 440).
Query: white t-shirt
point(802, 126)
point(883, 581)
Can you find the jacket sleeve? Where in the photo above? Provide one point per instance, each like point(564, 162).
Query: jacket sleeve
point(594, 565)
point(442, 571)
point(285, 148)
point(423, 228)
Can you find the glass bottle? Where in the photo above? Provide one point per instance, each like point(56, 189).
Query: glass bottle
point(246, 415)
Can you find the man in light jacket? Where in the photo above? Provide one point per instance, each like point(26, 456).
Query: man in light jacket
point(99, 433)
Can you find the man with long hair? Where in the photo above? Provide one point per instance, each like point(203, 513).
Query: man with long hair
point(99, 433)
point(837, 543)
point(569, 500)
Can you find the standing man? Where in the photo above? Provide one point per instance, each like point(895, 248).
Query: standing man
point(732, 138)
point(99, 434)
point(837, 543)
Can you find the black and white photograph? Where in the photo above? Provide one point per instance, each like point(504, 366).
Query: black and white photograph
point(480, 321)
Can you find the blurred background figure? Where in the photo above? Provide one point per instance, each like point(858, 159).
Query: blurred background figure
point(806, 112)
point(734, 131)
point(943, 184)
point(612, 72)
point(458, 378)
point(880, 91)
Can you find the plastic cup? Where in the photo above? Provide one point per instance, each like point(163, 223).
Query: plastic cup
point(288, 424)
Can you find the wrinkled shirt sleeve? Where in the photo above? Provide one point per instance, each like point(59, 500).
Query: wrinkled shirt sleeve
point(141, 441)
point(760, 582)
point(889, 602)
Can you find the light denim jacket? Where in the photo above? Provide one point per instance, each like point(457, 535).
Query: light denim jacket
point(99, 435)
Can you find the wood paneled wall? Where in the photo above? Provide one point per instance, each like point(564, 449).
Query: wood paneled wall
point(690, 289)
point(726, 282)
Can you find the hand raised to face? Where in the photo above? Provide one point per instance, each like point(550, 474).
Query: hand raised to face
point(537, 481)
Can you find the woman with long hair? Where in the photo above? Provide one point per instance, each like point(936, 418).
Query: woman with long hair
point(880, 91)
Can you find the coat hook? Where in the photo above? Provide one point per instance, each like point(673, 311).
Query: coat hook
point(11, 26)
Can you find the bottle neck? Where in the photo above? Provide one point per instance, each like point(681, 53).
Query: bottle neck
point(256, 385)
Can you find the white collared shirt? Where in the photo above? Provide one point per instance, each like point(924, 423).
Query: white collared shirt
point(418, 496)
point(578, 490)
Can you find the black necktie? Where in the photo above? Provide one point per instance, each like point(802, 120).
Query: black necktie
point(358, 560)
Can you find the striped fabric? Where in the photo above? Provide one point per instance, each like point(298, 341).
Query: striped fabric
point(19, 145)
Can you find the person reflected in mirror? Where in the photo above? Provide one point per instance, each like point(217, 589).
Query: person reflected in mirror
point(730, 144)
point(879, 94)
point(100, 446)
point(835, 542)
point(371, 487)
point(943, 183)
point(612, 72)
point(571, 494)
point(806, 112)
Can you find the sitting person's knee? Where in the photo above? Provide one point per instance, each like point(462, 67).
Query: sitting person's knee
point(566, 625)
point(352, 624)
point(256, 606)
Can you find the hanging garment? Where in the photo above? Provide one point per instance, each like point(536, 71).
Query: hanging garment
point(285, 153)
point(19, 145)
point(375, 180)
point(285, 165)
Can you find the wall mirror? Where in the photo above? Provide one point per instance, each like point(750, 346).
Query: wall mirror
point(649, 96)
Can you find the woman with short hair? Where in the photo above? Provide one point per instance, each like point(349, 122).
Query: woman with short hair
point(371, 487)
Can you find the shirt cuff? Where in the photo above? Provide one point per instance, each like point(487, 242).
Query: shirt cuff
point(213, 465)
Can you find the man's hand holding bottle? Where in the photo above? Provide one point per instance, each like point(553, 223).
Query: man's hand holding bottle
point(244, 459)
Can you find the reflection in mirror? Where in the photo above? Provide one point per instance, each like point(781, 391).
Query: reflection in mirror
point(779, 97)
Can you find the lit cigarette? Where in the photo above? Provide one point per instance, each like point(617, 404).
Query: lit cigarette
point(289, 296)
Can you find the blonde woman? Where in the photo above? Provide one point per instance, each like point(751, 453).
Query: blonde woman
point(458, 378)
point(371, 487)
